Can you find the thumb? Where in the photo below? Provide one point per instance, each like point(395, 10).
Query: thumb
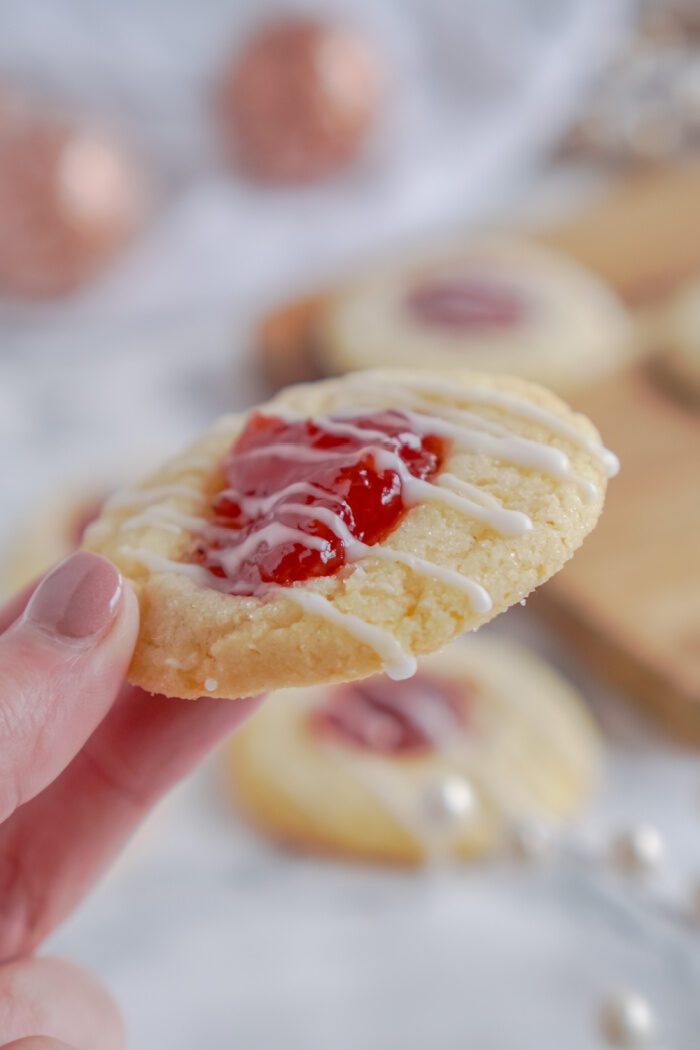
point(61, 665)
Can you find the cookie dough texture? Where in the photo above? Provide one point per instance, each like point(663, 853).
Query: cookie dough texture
point(574, 330)
point(530, 752)
point(192, 634)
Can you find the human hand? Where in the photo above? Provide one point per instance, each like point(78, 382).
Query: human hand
point(82, 758)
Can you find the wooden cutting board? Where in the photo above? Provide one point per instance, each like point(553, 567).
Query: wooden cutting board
point(630, 599)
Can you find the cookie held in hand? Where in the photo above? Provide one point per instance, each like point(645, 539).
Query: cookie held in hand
point(348, 526)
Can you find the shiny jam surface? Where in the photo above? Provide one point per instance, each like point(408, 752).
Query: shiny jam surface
point(394, 718)
point(263, 529)
point(466, 304)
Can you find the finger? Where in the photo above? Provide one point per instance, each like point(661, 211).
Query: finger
point(61, 665)
point(55, 846)
point(54, 998)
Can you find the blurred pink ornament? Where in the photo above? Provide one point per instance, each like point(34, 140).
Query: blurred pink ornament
point(70, 199)
point(297, 103)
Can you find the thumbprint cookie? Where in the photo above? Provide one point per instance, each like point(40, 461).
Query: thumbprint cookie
point(347, 526)
point(484, 741)
point(494, 304)
point(51, 533)
point(679, 336)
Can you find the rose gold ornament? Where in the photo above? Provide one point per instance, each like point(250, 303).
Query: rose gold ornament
point(70, 198)
point(297, 103)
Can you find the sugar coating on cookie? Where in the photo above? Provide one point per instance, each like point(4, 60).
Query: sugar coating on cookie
point(484, 741)
point(492, 303)
point(348, 526)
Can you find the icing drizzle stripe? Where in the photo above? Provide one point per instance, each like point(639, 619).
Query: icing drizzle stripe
point(396, 662)
point(467, 430)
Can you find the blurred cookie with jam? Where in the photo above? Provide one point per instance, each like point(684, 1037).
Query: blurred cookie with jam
point(487, 301)
point(492, 303)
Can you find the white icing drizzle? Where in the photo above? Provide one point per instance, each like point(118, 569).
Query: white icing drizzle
point(340, 428)
point(272, 535)
point(472, 433)
point(466, 429)
point(396, 663)
point(157, 563)
point(142, 497)
point(526, 410)
point(165, 517)
point(254, 505)
point(356, 550)
point(486, 507)
point(463, 497)
point(518, 407)
point(288, 450)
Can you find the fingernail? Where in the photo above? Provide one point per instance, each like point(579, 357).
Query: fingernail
point(78, 599)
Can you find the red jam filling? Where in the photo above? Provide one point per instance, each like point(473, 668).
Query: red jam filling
point(466, 304)
point(276, 464)
point(394, 718)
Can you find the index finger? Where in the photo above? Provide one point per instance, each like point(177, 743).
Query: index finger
point(145, 744)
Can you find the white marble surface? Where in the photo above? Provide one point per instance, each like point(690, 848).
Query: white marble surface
point(209, 936)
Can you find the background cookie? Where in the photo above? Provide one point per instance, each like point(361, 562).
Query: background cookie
point(493, 303)
point(678, 335)
point(242, 590)
point(50, 533)
point(484, 740)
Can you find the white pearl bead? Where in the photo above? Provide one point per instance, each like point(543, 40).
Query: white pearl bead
point(532, 840)
point(627, 1020)
point(639, 851)
point(451, 801)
